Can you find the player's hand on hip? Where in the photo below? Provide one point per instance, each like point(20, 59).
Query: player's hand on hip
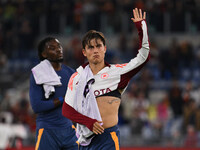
point(97, 128)
point(137, 15)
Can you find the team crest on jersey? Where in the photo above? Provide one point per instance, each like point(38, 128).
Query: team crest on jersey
point(104, 75)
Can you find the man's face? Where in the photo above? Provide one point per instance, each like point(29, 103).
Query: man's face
point(95, 51)
point(53, 51)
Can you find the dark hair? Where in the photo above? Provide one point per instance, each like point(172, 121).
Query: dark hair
point(41, 46)
point(92, 34)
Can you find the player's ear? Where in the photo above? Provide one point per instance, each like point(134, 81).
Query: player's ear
point(84, 53)
point(105, 49)
point(44, 54)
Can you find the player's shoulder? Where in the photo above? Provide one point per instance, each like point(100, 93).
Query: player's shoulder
point(75, 75)
point(73, 80)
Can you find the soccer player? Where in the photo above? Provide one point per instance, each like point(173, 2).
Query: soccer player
point(47, 90)
point(100, 82)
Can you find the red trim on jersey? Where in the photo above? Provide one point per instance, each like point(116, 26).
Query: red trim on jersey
point(140, 33)
point(107, 64)
point(70, 113)
point(85, 64)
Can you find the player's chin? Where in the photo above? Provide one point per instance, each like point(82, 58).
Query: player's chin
point(96, 62)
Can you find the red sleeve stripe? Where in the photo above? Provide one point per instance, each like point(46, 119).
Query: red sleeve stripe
point(140, 32)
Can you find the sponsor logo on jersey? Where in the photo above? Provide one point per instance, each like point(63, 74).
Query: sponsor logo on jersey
point(101, 91)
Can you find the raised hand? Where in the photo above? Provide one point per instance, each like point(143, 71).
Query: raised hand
point(137, 15)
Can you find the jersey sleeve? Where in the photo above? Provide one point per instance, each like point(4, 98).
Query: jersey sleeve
point(128, 70)
point(37, 99)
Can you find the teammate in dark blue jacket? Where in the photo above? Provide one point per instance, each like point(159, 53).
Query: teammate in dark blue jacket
point(53, 131)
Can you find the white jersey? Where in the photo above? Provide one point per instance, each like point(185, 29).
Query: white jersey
point(116, 76)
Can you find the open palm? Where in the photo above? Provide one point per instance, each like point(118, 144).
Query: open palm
point(137, 15)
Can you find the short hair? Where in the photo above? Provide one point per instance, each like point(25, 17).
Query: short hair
point(41, 46)
point(92, 34)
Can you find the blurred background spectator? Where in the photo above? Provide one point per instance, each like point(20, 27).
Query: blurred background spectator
point(161, 107)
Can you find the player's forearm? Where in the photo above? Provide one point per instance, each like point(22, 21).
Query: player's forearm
point(70, 113)
point(42, 106)
point(38, 102)
point(39, 106)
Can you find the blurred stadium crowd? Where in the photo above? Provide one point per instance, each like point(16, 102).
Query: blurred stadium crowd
point(161, 106)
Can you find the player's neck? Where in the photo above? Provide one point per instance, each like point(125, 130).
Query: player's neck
point(56, 66)
point(97, 67)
